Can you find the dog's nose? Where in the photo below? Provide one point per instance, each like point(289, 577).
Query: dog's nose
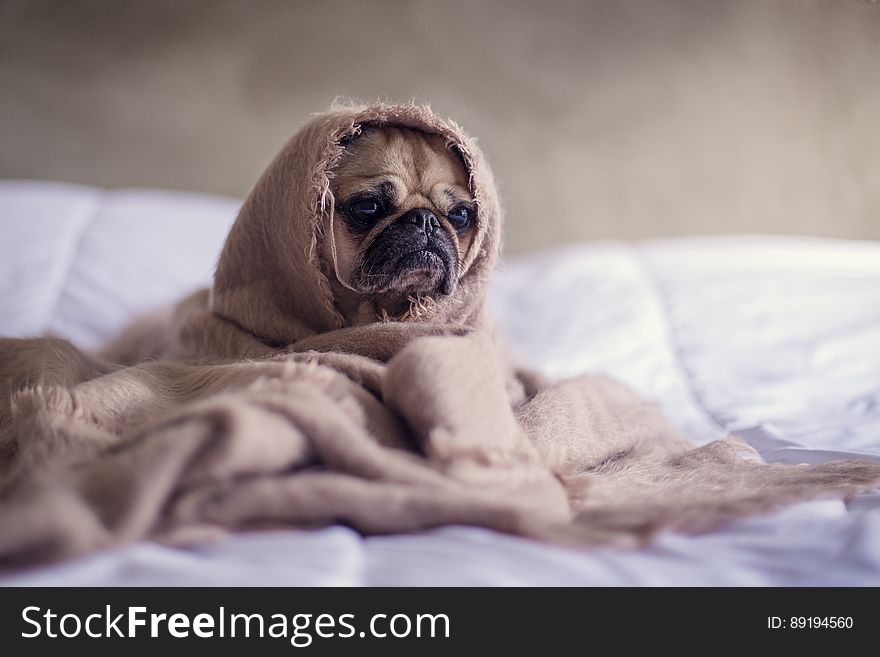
point(424, 219)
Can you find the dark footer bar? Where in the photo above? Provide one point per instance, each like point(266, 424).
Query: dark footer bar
point(431, 621)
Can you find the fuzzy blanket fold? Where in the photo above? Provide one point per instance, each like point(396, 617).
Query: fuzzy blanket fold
point(254, 405)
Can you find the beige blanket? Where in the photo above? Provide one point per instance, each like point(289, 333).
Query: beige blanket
point(253, 405)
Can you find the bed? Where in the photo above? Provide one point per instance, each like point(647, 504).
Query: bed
point(774, 338)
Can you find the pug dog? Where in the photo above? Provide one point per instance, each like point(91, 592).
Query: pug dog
point(402, 222)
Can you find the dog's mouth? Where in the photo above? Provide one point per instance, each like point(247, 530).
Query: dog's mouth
point(422, 270)
point(427, 258)
point(428, 269)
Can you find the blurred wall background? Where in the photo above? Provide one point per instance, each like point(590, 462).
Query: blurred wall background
point(602, 118)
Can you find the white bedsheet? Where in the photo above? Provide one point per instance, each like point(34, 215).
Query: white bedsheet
point(777, 338)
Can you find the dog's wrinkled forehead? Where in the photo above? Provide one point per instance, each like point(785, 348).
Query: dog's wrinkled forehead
point(412, 168)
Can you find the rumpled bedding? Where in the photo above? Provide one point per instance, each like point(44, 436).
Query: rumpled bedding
point(650, 333)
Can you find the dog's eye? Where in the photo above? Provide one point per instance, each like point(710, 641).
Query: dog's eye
point(368, 209)
point(365, 212)
point(460, 217)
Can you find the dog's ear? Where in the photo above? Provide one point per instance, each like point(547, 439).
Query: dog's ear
point(349, 137)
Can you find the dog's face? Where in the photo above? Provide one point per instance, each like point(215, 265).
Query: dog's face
point(404, 217)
